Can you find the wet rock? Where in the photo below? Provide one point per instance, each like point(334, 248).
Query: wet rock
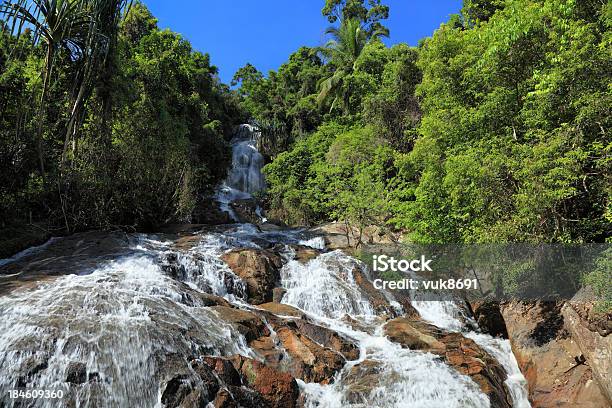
point(259, 269)
point(329, 339)
point(245, 382)
point(208, 211)
point(362, 379)
point(458, 351)
point(549, 357)
point(187, 242)
point(246, 210)
point(248, 324)
point(304, 253)
point(278, 389)
point(403, 298)
point(75, 254)
point(180, 391)
point(281, 309)
point(403, 331)
point(489, 318)
point(376, 297)
point(309, 360)
point(266, 348)
point(470, 359)
point(32, 367)
point(76, 373)
point(277, 294)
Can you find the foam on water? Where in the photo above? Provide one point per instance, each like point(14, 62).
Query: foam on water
point(325, 288)
point(119, 322)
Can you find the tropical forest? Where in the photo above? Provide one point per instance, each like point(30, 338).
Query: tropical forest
point(171, 240)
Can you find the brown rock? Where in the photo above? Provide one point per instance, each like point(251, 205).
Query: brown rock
point(470, 359)
point(277, 294)
point(402, 330)
point(248, 324)
point(282, 309)
point(597, 349)
point(489, 318)
point(246, 210)
point(278, 389)
point(305, 253)
point(549, 357)
point(375, 296)
point(309, 361)
point(462, 353)
point(259, 269)
point(362, 379)
point(329, 339)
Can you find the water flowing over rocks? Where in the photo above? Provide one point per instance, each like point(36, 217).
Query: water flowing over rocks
point(236, 315)
point(259, 269)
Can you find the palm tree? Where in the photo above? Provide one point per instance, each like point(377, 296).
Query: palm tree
point(342, 51)
point(56, 23)
point(81, 27)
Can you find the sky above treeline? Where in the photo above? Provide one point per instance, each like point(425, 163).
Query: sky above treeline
point(266, 32)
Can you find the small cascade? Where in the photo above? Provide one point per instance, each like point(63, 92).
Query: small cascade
point(325, 288)
point(108, 332)
point(447, 315)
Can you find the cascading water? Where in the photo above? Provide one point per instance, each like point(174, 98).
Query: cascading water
point(325, 288)
point(244, 177)
point(107, 332)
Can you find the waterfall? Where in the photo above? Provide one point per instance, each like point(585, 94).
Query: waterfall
point(244, 177)
point(109, 334)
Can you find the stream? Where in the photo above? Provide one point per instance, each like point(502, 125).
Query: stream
point(112, 330)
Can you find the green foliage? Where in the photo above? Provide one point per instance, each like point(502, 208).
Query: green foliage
point(599, 279)
point(513, 143)
point(370, 13)
point(138, 146)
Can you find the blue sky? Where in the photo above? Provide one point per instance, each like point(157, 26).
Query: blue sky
point(266, 32)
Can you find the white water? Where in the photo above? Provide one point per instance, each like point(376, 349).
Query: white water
point(244, 177)
point(119, 322)
point(325, 288)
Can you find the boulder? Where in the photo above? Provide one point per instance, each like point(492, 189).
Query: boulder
point(309, 360)
point(235, 381)
point(489, 318)
point(376, 297)
point(248, 324)
point(591, 335)
point(470, 359)
point(278, 389)
point(328, 338)
point(549, 356)
point(259, 269)
point(305, 253)
point(246, 210)
point(362, 379)
point(403, 331)
point(458, 351)
point(207, 211)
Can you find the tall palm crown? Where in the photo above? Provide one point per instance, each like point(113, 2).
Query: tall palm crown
point(342, 50)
